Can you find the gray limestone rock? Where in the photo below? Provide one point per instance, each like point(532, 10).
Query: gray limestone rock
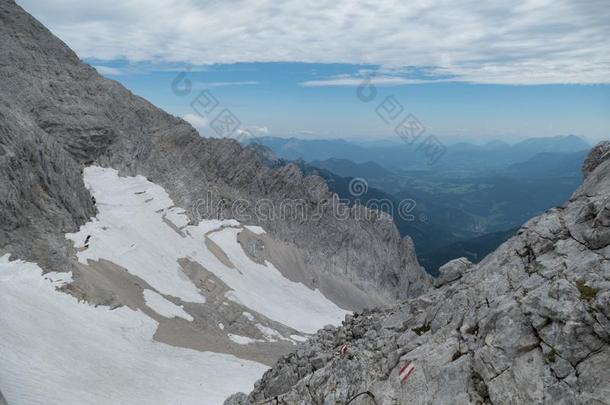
point(452, 270)
point(527, 325)
point(599, 153)
point(237, 399)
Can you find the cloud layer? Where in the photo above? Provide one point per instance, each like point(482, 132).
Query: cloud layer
point(523, 42)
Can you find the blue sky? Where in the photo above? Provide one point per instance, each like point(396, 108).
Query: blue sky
point(292, 99)
point(466, 69)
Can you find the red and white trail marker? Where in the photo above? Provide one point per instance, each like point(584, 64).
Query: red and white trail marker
point(343, 350)
point(405, 371)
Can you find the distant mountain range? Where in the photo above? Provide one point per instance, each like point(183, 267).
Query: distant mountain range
point(348, 168)
point(467, 204)
point(396, 157)
point(549, 164)
point(427, 232)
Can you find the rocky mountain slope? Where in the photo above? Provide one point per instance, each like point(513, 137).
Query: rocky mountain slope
point(58, 115)
point(530, 324)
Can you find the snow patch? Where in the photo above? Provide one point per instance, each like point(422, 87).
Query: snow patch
point(130, 231)
point(163, 307)
point(58, 351)
point(265, 290)
point(213, 225)
point(177, 216)
point(59, 279)
point(271, 335)
point(242, 340)
point(255, 229)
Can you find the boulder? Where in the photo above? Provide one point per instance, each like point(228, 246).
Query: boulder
point(452, 270)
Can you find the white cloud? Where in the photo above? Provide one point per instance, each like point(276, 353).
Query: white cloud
point(202, 125)
point(197, 121)
point(252, 130)
point(108, 71)
point(224, 84)
point(207, 85)
point(358, 80)
point(522, 42)
point(259, 130)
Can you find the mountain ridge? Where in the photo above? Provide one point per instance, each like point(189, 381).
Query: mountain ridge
point(82, 117)
point(401, 155)
point(529, 324)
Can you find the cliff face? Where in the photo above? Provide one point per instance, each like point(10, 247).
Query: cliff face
point(530, 324)
point(58, 115)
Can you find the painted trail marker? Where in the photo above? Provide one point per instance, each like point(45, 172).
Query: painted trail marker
point(405, 371)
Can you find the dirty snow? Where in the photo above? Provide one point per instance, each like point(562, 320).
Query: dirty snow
point(130, 231)
point(163, 307)
point(177, 216)
point(58, 351)
point(270, 334)
point(263, 289)
point(257, 230)
point(242, 340)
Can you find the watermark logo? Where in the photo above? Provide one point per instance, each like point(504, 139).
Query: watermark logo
point(407, 127)
point(225, 124)
point(205, 105)
point(358, 187)
point(405, 209)
point(215, 206)
point(410, 129)
point(181, 85)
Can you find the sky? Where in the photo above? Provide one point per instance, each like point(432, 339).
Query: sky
point(467, 70)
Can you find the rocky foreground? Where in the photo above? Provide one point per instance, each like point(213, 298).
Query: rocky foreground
point(528, 325)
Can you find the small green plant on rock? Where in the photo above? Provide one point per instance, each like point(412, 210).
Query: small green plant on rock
point(586, 292)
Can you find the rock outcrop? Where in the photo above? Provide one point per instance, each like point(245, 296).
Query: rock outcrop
point(600, 153)
point(530, 324)
point(451, 271)
point(58, 115)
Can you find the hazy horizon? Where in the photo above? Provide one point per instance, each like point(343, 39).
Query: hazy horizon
point(447, 140)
